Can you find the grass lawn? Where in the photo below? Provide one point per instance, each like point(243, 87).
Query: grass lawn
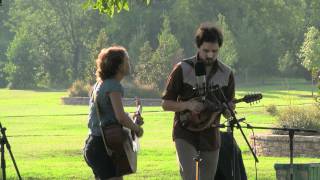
point(47, 137)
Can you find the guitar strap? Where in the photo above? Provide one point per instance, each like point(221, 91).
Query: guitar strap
point(94, 94)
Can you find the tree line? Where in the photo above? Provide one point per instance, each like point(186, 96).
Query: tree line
point(52, 43)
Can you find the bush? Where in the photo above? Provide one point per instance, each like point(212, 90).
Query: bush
point(319, 87)
point(79, 89)
point(300, 117)
point(132, 89)
point(272, 109)
point(318, 97)
point(140, 92)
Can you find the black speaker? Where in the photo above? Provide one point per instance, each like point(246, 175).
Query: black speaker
point(224, 170)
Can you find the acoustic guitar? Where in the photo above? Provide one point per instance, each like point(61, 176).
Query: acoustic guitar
point(125, 146)
point(206, 118)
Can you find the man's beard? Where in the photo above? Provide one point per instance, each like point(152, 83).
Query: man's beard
point(209, 61)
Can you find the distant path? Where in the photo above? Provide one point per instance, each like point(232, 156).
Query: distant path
point(126, 101)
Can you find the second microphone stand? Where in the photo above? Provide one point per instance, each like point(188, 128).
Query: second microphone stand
point(291, 132)
point(234, 122)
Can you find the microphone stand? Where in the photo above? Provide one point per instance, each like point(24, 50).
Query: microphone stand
point(291, 132)
point(4, 142)
point(232, 123)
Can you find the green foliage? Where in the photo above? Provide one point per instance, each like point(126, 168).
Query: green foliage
point(318, 97)
point(3, 75)
point(249, 48)
point(79, 89)
point(319, 86)
point(5, 37)
point(162, 60)
point(60, 43)
point(72, 20)
point(109, 7)
point(22, 62)
point(300, 117)
point(272, 109)
point(131, 90)
point(286, 63)
point(262, 38)
point(310, 51)
point(101, 42)
point(228, 52)
point(136, 43)
point(143, 68)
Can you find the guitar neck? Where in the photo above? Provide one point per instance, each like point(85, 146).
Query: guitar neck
point(139, 109)
point(138, 106)
point(237, 100)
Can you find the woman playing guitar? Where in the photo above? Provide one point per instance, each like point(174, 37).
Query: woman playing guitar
point(106, 109)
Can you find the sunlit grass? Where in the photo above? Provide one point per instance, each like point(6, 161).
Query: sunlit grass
point(50, 146)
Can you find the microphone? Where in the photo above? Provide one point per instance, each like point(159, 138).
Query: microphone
point(201, 86)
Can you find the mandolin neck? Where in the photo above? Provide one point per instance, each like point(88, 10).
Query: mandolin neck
point(237, 100)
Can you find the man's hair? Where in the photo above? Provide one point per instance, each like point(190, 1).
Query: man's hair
point(109, 61)
point(208, 32)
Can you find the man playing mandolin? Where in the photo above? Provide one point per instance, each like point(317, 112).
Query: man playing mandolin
point(197, 114)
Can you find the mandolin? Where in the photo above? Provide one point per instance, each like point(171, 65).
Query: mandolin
point(206, 119)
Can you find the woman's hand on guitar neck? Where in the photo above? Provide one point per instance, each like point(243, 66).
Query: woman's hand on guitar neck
point(139, 131)
point(194, 106)
point(138, 119)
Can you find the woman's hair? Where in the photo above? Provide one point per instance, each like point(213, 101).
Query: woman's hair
point(208, 32)
point(109, 61)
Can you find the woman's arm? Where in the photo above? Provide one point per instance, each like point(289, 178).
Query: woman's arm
point(121, 116)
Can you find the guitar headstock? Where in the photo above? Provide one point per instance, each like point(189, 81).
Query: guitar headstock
point(250, 98)
point(138, 105)
point(137, 101)
point(138, 112)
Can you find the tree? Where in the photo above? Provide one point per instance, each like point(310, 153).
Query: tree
point(163, 58)
point(5, 37)
point(261, 37)
point(143, 68)
point(228, 52)
point(60, 41)
point(109, 7)
point(72, 20)
point(101, 42)
point(286, 63)
point(22, 62)
point(184, 28)
point(136, 43)
point(49, 44)
point(310, 51)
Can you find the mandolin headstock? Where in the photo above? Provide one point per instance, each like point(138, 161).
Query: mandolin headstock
point(250, 98)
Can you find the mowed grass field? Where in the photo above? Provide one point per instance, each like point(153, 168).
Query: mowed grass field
point(47, 137)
